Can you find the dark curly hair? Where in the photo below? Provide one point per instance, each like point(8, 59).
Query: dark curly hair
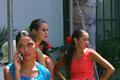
point(45, 49)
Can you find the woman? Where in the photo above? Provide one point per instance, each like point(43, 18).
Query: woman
point(79, 60)
point(39, 28)
point(24, 66)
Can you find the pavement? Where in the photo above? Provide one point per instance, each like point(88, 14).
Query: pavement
point(2, 63)
point(1, 72)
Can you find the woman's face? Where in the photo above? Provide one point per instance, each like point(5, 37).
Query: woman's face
point(42, 32)
point(83, 41)
point(26, 47)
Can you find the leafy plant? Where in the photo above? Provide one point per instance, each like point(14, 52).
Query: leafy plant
point(108, 49)
point(3, 35)
point(4, 38)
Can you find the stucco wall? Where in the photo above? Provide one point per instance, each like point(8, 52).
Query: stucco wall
point(24, 11)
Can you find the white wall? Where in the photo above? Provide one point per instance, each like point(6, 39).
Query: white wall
point(24, 11)
point(3, 13)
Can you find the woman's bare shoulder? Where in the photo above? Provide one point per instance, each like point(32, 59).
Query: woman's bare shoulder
point(6, 68)
point(48, 59)
point(93, 53)
point(6, 73)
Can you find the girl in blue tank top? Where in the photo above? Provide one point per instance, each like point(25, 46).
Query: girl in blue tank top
point(24, 66)
point(43, 73)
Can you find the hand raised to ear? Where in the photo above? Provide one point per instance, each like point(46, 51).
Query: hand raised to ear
point(37, 44)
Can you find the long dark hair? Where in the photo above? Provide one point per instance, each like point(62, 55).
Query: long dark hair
point(45, 49)
point(70, 51)
point(35, 24)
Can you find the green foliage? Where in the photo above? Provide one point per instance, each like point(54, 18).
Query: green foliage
point(27, 28)
point(3, 40)
point(108, 48)
point(3, 35)
point(55, 53)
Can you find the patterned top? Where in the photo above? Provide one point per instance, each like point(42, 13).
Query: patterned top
point(43, 73)
point(82, 68)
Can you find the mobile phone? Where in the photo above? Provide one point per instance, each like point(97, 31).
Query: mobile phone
point(20, 57)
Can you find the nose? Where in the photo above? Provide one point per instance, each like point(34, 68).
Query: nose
point(87, 42)
point(26, 49)
point(46, 32)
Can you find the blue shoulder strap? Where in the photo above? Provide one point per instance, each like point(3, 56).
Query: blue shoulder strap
point(44, 71)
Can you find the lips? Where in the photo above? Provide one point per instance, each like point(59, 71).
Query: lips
point(46, 36)
point(26, 54)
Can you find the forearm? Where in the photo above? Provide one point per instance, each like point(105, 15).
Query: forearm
point(60, 76)
point(17, 75)
point(107, 75)
point(40, 57)
point(58, 67)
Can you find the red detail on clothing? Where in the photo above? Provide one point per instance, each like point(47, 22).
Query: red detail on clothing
point(82, 68)
point(49, 45)
point(35, 56)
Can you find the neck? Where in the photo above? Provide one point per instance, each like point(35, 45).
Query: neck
point(79, 51)
point(38, 40)
point(28, 64)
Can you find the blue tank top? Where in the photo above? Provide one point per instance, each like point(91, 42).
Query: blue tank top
point(43, 73)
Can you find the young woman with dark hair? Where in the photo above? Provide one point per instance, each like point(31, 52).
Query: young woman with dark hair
point(24, 66)
point(79, 60)
point(39, 28)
